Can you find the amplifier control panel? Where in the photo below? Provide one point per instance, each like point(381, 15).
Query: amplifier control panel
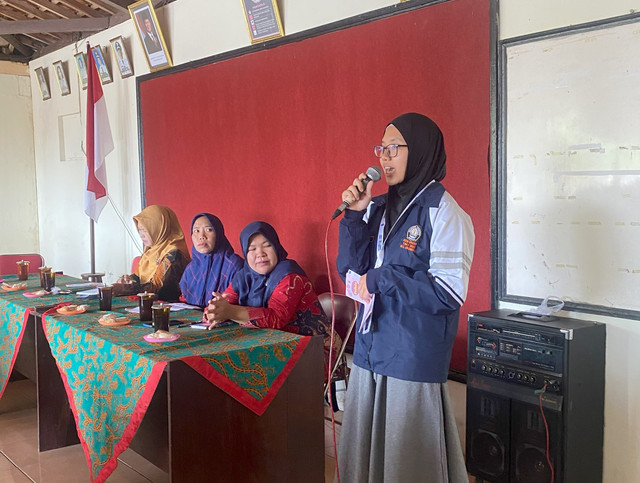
point(522, 354)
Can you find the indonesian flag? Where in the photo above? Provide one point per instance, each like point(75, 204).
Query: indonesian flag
point(99, 142)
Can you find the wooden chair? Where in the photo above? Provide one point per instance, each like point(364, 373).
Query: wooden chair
point(8, 262)
point(346, 313)
point(134, 264)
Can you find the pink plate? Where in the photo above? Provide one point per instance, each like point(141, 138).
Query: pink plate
point(78, 309)
point(37, 293)
point(154, 338)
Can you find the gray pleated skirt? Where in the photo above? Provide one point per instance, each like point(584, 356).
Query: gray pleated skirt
point(396, 431)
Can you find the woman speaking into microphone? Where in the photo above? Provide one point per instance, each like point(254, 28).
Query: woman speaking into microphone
point(412, 249)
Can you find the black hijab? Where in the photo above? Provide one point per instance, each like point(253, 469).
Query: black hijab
point(426, 162)
point(255, 289)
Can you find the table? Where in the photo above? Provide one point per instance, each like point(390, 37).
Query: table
point(234, 404)
point(17, 333)
point(245, 402)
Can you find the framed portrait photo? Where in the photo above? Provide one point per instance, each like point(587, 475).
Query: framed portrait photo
point(63, 83)
point(81, 66)
point(263, 19)
point(103, 71)
point(151, 39)
point(122, 59)
point(42, 82)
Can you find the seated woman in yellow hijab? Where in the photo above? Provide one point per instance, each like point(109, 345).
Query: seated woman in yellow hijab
point(164, 258)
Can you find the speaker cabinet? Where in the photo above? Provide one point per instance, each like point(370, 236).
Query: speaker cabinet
point(531, 385)
point(488, 441)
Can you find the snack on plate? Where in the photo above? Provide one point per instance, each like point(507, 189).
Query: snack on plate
point(14, 286)
point(113, 319)
point(162, 334)
point(68, 308)
point(72, 309)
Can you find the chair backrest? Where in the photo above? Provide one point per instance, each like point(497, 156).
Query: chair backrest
point(8, 262)
point(134, 264)
point(346, 312)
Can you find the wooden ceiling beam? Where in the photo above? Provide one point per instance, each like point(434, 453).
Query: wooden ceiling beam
point(82, 8)
point(25, 50)
point(12, 14)
point(57, 25)
point(29, 10)
point(36, 42)
point(123, 4)
point(60, 10)
point(110, 7)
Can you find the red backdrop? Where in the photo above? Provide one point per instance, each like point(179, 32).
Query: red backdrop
point(277, 135)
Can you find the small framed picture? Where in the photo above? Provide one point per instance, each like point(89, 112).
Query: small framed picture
point(146, 24)
point(62, 78)
point(81, 67)
point(263, 19)
point(122, 59)
point(103, 71)
point(42, 82)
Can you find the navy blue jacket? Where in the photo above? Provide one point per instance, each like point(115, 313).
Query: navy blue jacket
point(415, 314)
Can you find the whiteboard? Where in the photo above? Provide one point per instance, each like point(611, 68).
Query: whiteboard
point(570, 167)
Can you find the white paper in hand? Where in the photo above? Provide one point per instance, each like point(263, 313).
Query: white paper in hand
point(351, 283)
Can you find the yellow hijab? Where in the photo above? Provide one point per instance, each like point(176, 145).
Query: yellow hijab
point(161, 223)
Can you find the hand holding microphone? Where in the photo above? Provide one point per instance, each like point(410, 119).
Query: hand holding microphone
point(357, 196)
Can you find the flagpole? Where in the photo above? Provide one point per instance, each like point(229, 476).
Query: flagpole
point(93, 245)
point(99, 143)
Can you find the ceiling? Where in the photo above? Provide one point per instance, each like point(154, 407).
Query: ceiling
point(32, 28)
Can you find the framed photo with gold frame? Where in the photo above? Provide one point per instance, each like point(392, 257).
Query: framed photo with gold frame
point(63, 83)
point(263, 20)
point(81, 66)
point(103, 70)
point(122, 59)
point(42, 83)
point(151, 38)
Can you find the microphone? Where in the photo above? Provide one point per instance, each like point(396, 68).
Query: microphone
point(374, 173)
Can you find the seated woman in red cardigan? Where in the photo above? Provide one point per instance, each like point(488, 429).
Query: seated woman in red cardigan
point(271, 291)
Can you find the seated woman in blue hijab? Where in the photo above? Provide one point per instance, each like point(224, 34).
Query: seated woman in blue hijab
point(271, 291)
point(213, 262)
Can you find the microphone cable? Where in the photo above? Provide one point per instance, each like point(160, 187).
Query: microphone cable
point(330, 368)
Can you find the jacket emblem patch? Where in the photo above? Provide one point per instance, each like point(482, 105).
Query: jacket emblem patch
point(411, 241)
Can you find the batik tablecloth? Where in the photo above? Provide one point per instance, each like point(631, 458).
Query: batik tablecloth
point(111, 373)
point(14, 311)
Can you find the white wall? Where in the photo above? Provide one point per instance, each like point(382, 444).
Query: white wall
point(622, 392)
point(193, 29)
point(200, 28)
point(19, 213)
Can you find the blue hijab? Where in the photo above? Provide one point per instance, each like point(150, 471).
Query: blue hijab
point(209, 272)
point(253, 288)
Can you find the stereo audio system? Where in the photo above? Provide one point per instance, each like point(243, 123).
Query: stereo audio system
point(516, 363)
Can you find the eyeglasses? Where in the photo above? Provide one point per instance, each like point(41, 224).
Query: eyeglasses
point(391, 150)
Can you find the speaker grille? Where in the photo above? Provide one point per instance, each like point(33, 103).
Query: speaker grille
point(531, 465)
point(488, 452)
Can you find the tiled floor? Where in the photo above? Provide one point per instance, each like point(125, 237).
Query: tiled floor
point(21, 462)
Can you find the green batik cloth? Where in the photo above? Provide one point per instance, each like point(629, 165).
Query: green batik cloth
point(110, 373)
point(14, 310)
